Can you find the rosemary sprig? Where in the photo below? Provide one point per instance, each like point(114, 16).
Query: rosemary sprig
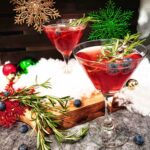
point(43, 112)
point(76, 136)
point(118, 48)
point(83, 20)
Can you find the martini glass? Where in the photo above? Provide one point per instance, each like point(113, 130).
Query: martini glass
point(64, 36)
point(108, 77)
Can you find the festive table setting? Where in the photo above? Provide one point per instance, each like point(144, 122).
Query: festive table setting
point(98, 99)
point(136, 117)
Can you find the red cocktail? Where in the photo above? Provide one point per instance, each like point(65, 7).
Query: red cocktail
point(64, 36)
point(107, 76)
point(109, 64)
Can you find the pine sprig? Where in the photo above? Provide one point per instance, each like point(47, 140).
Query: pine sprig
point(43, 112)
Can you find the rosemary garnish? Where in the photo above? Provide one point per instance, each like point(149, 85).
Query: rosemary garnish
point(43, 111)
point(118, 48)
point(83, 20)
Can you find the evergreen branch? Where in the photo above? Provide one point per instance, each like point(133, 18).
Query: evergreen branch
point(111, 22)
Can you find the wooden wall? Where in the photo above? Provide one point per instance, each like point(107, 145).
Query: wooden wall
point(17, 41)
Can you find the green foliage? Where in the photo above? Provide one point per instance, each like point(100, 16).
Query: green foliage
point(117, 49)
point(111, 22)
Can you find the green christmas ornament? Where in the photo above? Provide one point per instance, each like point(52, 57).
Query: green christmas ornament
point(25, 63)
point(110, 22)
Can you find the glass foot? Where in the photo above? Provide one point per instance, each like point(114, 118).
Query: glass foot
point(67, 69)
point(115, 136)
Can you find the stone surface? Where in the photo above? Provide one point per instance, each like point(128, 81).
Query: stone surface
point(11, 138)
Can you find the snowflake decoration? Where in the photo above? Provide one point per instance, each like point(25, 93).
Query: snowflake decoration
point(34, 12)
point(111, 22)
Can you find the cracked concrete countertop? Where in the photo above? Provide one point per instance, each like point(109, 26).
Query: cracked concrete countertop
point(11, 138)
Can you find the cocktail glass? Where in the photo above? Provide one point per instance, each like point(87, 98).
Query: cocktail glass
point(108, 77)
point(64, 35)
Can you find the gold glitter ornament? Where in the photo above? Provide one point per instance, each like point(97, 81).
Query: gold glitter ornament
point(131, 84)
point(34, 12)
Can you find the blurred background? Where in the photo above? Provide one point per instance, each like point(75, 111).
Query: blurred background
point(18, 41)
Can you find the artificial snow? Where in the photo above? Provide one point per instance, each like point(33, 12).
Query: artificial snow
point(138, 100)
point(76, 83)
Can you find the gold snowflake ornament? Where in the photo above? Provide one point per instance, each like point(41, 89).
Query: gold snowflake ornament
point(34, 12)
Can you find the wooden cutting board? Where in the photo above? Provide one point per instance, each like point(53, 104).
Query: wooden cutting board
point(90, 109)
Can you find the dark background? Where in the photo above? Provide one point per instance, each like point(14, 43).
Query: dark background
point(18, 41)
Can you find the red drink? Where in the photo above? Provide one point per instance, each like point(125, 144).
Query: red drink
point(64, 37)
point(107, 76)
point(109, 63)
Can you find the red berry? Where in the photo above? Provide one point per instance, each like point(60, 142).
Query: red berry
point(9, 68)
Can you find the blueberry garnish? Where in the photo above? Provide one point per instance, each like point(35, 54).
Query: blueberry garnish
point(113, 65)
point(113, 68)
point(77, 103)
point(126, 70)
point(23, 147)
point(127, 62)
point(6, 93)
point(138, 139)
point(2, 106)
point(128, 59)
point(23, 129)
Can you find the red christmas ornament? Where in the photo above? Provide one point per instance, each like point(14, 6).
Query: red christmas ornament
point(9, 69)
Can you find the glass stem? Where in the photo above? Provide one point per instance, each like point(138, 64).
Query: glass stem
point(107, 123)
point(66, 59)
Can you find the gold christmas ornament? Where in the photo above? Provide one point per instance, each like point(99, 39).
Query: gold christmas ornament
point(131, 84)
point(34, 12)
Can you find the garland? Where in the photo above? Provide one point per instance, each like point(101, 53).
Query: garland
point(12, 113)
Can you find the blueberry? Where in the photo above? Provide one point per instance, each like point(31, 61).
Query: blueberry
point(126, 70)
point(113, 71)
point(113, 68)
point(6, 93)
point(77, 103)
point(127, 62)
point(23, 129)
point(2, 106)
point(139, 139)
point(23, 147)
point(128, 59)
point(113, 65)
